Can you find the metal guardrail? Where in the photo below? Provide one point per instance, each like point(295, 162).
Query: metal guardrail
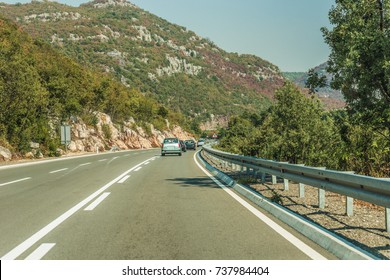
point(365, 188)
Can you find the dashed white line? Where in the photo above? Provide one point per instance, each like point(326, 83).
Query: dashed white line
point(84, 164)
point(22, 247)
point(97, 202)
point(146, 163)
point(40, 251)
point(16, 181)
point(102, 160)
point(137, 169)
point(114, 158)
point(121, 181)
point(59, 170)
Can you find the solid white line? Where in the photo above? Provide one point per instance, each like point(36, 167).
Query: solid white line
point(284, 233)
point(59, 170)
point(137, 169)
point(114, 158)
point(121, 181)
point(16, 181)
point(40, 251)
point(97, 202)
point(18, 250)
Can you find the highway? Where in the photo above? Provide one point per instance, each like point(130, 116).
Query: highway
point(135, 205)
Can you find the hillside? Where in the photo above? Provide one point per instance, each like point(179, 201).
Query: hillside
point(167, 62)
point(41, 89)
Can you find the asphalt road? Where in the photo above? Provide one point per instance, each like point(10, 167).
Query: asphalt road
point(133, 205)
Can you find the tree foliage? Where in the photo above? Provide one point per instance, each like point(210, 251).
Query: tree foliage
point(297, 129)
point(360, 56)
point(314, 81)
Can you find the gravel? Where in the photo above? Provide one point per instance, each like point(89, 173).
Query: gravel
point(366, 228)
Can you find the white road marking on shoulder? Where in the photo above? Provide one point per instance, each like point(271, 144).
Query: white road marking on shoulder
point(16, 181)
point(121, 181)
point(97, 201)
point(22, 247)
point(284, 233)
point(59, 170)
point(41, 251)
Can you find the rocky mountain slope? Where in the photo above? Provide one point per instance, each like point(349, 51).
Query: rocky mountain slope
point(41, 89)
point(167, 62)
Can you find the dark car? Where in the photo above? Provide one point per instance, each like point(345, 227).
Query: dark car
point(190, 144)
point(183, 146)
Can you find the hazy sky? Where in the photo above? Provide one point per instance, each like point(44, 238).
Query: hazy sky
point(284, 32)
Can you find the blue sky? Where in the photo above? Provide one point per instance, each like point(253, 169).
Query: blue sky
point(284, 32)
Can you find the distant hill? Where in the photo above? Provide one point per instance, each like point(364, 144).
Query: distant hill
point(167, 62)
point(300, 79)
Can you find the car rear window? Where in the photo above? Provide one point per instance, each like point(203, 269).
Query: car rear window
point(171, 140)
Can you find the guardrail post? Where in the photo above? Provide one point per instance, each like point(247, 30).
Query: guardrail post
point(387, 217)
point(262, 177)
point(274, 179)
point(285, 182)
point(349, 205)
point(321, 198)
point(301, 190)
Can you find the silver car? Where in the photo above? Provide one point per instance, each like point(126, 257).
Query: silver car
point(171, 146)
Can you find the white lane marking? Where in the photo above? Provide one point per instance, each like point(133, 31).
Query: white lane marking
point(84, 164)
point(284, 233)
point(146, 163)
point(102, 160)
point(137, 169)
point(114, 158)
point(16, 181)
point(41, 251)
point(97, 202)
point(18, 250)
point(59, 170)
point(121, 181)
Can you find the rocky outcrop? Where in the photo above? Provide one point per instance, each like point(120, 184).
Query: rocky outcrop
point(105, 135)
point(5, 154)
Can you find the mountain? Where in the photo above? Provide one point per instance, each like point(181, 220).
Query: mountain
point(164, 61)
point(42, 89)
point(300, 79)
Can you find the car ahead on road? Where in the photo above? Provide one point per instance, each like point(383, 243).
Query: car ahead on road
point(171, 146)
point(183, 146)
point(190, 144)
point(201, 142)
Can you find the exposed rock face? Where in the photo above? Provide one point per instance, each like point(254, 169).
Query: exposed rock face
point(215, 122)
point(5, 154)
point(106, 134)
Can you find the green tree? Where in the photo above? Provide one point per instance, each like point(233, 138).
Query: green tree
point(314, 81)
point(360, 56)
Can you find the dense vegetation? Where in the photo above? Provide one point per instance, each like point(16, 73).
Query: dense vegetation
point(298, 130)
point(40, 89)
